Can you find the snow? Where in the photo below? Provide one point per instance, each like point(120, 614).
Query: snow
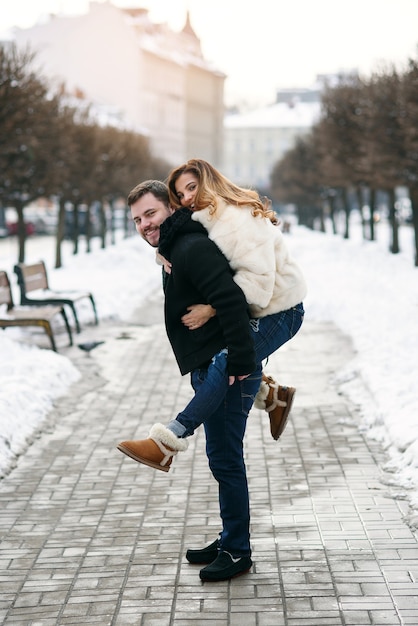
point(31, 377)
point(370, 294)
point(279, 115)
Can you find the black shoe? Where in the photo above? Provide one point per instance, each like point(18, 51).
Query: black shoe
point(204, 555)
point(225, 567)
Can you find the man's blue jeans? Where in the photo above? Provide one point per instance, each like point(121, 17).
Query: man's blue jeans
point(224, 448)
point(269, 334)
point(224, 410)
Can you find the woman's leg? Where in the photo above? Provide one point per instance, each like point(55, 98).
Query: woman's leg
point(269, 333)
point(273, 331)
point(208, 396)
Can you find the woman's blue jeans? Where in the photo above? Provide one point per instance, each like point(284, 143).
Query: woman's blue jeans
point(269, 334)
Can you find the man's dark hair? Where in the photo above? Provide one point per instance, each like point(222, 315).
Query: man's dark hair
point(156, 187)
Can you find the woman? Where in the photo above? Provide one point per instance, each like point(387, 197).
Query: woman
point(245, 229)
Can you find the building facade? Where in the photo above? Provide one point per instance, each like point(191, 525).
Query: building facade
point(255, 141)
point(147, 77)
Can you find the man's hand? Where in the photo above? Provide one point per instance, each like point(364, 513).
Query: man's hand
point(232, 379)
point(198, 315)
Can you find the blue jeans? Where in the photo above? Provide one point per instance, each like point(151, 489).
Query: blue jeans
point(224, 448)
point(269, 333)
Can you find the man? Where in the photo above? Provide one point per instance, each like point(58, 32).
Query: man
point(200, 273)
point(149, 206)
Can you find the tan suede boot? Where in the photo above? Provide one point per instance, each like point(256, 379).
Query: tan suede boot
point(158, 450)
point(277, 400)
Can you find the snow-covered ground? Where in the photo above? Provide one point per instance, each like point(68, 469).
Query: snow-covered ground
point(370, 294)
point(120, 277)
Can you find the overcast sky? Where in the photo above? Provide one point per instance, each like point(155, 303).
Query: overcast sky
point(264, 45)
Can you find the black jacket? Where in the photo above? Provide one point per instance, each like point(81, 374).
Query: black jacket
point(202, 275)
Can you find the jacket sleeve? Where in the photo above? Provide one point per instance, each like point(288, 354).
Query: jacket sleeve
point(209, 272)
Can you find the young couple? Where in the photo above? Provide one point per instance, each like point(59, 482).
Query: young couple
point(233, 295)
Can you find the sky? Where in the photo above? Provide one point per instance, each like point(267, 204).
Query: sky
point(266, 45)
point(370, 294)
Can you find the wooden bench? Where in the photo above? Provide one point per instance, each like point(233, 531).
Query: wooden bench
point(33, 278)
point(28, 316)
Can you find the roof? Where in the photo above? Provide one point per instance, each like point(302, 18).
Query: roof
point(279, 115)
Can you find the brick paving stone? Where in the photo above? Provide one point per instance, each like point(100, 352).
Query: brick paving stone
point(90, 537)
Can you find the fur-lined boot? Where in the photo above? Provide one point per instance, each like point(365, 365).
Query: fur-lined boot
point(158, 450)
point(277, 401)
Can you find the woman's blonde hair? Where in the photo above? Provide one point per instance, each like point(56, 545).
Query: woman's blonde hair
point(213, 185)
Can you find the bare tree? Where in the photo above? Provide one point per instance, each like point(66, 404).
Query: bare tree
point(28, 122)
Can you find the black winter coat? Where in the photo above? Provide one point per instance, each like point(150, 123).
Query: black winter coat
point(201, 275)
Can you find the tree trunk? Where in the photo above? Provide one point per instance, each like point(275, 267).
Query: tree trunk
point(21, 230)
point(2, 218)
point(347, 210)
point(75, 228)
point(60, 233)
point(393, 220)
point(360, 202)
point(413, 193)
point(126, 222)
point(321, 215)
point(112, 224)
point(88, 228)
point(102, 214)
point(372, 204)
point(331, 200)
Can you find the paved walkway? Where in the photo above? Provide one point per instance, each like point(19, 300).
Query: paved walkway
point(90, 537)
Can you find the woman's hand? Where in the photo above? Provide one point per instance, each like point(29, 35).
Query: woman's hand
point(198, 315)
point(162, 261)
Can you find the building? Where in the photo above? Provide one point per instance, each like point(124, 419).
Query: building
point(144, 76)
point(256, 140)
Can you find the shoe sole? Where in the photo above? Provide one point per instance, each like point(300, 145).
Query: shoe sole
point(138, 459)
point(219, 580)
point(283, 423)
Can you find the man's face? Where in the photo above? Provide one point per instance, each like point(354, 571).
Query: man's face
point(149, 213)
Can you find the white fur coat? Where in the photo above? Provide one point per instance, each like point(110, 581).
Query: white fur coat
point(256, 251)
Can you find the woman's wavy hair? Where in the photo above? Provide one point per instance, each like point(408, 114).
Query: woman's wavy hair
point(213, 185)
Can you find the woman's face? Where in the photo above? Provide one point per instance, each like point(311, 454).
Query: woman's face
point(186, 188)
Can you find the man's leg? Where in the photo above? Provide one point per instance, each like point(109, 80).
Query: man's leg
point(224, 447)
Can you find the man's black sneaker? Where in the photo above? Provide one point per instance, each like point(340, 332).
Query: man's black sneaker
point(225, 567)
point(204, 555)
